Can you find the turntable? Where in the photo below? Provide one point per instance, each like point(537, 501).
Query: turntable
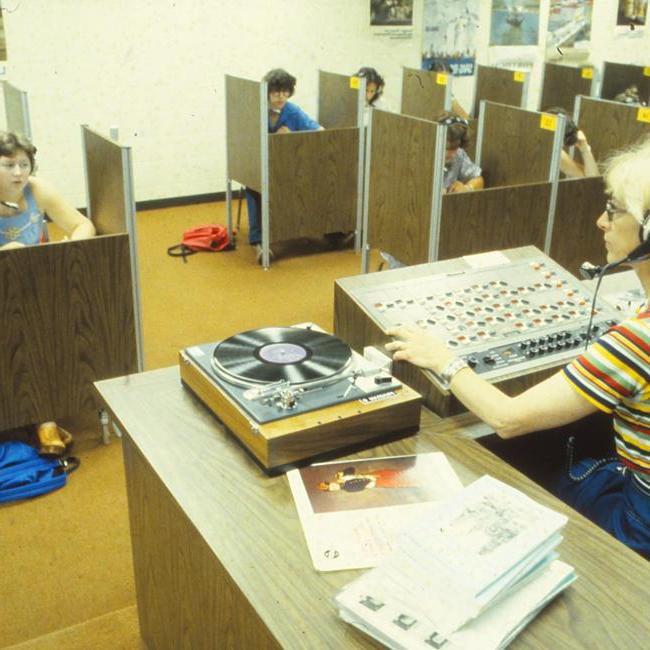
point(293, 394)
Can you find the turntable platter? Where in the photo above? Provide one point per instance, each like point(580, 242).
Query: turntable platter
point(274, 354)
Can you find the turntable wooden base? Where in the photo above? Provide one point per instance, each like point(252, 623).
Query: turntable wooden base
point(296, 440)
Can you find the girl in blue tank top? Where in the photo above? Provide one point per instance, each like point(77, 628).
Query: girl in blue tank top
point(25, 199)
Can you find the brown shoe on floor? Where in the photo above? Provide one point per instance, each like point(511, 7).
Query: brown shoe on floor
point(49, 439)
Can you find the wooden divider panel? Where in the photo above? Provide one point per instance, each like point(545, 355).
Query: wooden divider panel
point(619, 76)
point(313, 183)
point(494, 219)
point(576, 238)
point(243, 138)
point(338, 102)
point(423, 93)
point(563, 83)
point(67, 320)
point(106, 183)
point(610, 126)
point(401, 182)
point(498, 85)
point(16, 111)
point(515, 148)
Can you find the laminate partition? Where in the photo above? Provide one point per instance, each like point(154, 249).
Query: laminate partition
point(339, 100)
point(563, 83)
point(399, 196)
point(493, 219)
point(617, 77)
point(16, 110)
point(111, 206)
point(610, 126)
point(67, 320)
point(517, 146)
point(425, 94)
point(313, 181)
point(500, 85)
point(244, 132)
point(575, 236)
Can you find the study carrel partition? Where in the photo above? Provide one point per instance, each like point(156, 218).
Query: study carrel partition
point(610, 126)
point(341, 100)
point(516, 146)
point(309, 182)
point(563, 83)
point(68, 316)
point(401, 173)
point(16, 110)
point(575, 237)
point(500, 85)
point(425, 94)
point(492, 219)
point(617, 77)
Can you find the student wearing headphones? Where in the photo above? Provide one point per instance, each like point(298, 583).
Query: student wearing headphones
point(284, 117)
point(612, 375)
point(374, 86)
point(461, 173)
point(574, 137)
point(24, 202)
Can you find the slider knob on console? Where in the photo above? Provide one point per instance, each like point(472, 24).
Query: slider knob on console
point(472, 361)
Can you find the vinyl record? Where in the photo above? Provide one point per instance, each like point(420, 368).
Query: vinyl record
point(274, 354)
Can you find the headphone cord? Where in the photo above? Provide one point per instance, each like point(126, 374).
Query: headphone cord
point(597, 464)
point(603, 270)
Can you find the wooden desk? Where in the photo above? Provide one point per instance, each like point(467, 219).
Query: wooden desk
point(220, 560)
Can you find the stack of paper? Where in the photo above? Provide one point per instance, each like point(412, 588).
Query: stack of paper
point(469, 575)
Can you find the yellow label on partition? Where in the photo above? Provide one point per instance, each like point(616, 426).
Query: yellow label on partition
point(548, 122)
point(646, 71)
point(354, 83)
point(587, 73)
point(441, 79)
point(643, 115)
point(519, 76)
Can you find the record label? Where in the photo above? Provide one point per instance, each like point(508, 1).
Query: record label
point(275, 354)
point(282, 353)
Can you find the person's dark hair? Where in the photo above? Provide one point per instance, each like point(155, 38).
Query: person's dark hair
point(438, 65)
point(570, 129)
point(458, 131)
point(12, 143)
point(279, 79)
point(372, 76)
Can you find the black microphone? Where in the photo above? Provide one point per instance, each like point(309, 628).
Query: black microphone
point(589, 271)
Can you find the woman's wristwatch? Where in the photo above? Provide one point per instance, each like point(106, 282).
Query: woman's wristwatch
point(450, 370)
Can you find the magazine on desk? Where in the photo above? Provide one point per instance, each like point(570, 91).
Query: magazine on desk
point(470, 575)
point(352, 511)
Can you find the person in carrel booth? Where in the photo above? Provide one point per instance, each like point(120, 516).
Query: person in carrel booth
point(24, 201)
point(284, 117)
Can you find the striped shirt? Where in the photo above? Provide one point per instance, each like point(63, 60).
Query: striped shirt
point(614, 375)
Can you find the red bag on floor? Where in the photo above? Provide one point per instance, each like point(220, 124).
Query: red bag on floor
point(211, 237)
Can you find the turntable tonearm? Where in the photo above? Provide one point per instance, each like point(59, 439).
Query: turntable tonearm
point(292, 394)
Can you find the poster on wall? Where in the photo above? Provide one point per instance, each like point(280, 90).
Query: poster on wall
point(449, 31)
point(514, 22)
point(569, 30)
point(392, 19)
point(631, 16)
point(3, 40)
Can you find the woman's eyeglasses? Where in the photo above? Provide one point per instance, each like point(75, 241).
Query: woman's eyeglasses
point(278, 93)
point(613, 211)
